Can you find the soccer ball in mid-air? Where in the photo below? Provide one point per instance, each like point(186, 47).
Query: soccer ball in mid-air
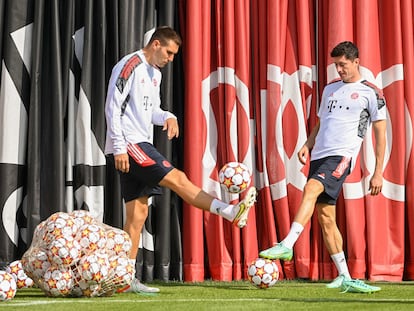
point(234, 177)
point(263, 273)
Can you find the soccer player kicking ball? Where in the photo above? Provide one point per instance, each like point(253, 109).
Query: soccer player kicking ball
point(347, 108)
point(132, 108)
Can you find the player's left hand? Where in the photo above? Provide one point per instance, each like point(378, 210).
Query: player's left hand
point(171, 126)
point(375, 184)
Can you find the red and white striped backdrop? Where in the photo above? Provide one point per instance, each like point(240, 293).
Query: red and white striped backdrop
point(254, 73)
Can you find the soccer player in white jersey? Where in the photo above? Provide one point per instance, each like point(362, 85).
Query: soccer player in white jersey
point(347, 108)
point(132, 109)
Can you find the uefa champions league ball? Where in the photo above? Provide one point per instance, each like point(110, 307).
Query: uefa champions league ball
point(15, 268)
point(94, 266)
point(91, 237)
point(122, 270)
point(82, 217)
point(57, 281)
point(118, 241)
point(58, 225)
point(65, 251)
point(35, 262)
point(263, 273)
point(234, 177)
point(8, 286)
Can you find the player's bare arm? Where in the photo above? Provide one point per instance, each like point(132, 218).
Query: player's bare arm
point(375, 184)
point(303, 153)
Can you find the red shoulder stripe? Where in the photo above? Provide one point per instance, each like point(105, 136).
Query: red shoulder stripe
point(127, 70)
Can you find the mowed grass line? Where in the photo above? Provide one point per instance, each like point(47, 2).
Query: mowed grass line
point(209, 295)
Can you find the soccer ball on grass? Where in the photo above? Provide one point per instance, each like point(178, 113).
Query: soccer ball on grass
point(15, 268)
point(8, 286)
point(263, 273)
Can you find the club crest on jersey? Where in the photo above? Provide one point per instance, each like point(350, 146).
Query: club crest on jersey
point(354, 95)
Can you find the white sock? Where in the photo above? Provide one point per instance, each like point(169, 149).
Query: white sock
point(132, 262)
point(223, 209)
point(340, 264)
point(294, 233)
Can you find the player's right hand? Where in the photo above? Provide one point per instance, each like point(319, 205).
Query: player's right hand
point(122, 162)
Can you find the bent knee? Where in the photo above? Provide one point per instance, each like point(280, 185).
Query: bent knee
point(175, 179)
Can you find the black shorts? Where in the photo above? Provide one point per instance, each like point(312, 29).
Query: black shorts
point(147, 167)
point(331, 172)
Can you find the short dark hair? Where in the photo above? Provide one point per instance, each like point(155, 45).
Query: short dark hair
point(347, 49)
point(164, 34)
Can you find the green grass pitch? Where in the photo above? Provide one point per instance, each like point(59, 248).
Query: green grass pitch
point(240, 295)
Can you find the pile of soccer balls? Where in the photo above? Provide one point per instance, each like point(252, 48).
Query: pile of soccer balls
point(72, 254)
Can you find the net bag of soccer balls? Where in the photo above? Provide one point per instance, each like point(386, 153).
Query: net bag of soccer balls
point(234, 177)
point(263, 273)
point(72, 254)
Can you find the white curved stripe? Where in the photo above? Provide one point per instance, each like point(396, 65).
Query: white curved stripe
point(78, 40)
point(70, 141)
point(22, 38)
point(209, 159)
point(393, 191)
point(88, 151)
point(278, 190)
point(242, 93)
point(13, 120)
point(358, 190)
point(9, 214)
point(223, 75)
point(307, 75)
point(146, 240)
point(93, 197)
point(408, 134)
point(148, 34)
point(382, 80)
point(262, 178)
point(386, 77)
point(290, 84)
point(274, 74)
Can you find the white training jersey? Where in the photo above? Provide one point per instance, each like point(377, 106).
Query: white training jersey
point(133, 103)
point(345, 113)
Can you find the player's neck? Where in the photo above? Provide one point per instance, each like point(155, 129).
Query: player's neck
point(148, 55)
point(353, 79)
